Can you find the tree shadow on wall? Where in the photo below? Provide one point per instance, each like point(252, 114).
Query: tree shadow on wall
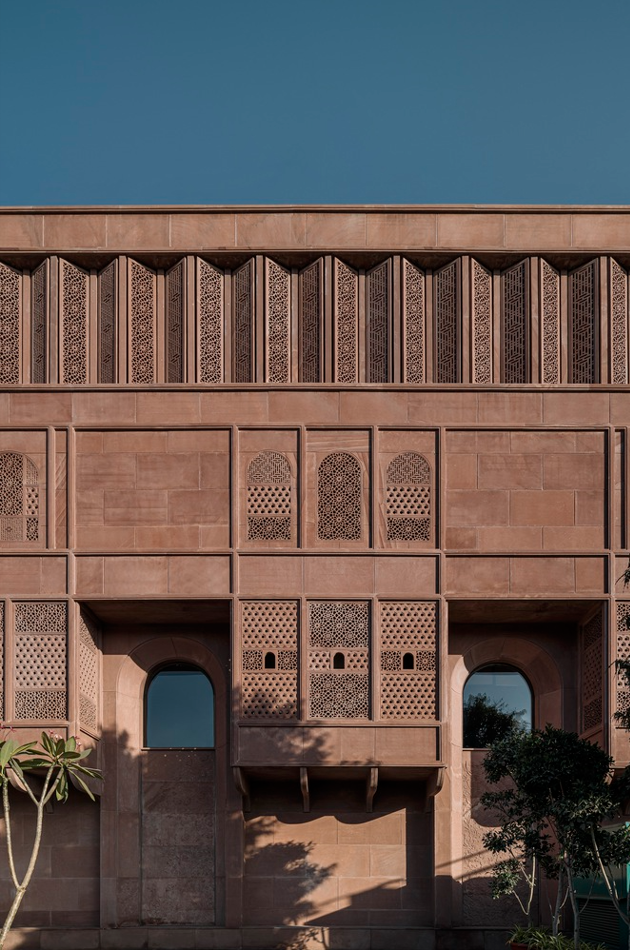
point(284, 882)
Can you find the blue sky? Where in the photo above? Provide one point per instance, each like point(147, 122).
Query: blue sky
point(326, 101)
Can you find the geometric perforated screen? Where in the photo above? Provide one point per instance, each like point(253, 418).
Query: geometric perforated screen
point(19, 498)
point(339, 660)
point(409, 498)
point(339, 498)
point(623, 653)
point(592, 673)
point(269, 498)
point(40, 646)
point(88, 672)
point(269, 640)
point(408, 660)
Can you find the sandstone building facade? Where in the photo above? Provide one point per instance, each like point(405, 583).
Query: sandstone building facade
point(339, 460)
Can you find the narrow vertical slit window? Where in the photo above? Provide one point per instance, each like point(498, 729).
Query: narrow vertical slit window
point(379, 323)
point(243, 323)
point(584, 324)
point(447, 316)
point(515, 329)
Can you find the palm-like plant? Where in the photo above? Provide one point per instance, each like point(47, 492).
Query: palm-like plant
point(55, 761)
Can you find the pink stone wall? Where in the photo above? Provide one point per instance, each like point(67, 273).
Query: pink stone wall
point(65, 891)
point(338, 866)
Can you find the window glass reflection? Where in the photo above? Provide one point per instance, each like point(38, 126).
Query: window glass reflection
point(497, 699)
point(180, 709)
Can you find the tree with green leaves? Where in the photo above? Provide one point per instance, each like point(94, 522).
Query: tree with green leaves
point(42, 771)
point(486, 721)
point(553, 806)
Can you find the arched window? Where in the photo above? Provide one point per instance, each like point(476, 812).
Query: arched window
point(409, 498)
point(179, 708)
point(497, 699)
point(339, 498)
point(19, 498)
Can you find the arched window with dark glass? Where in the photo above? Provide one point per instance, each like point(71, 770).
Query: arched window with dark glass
point(179, 708)
point(497, 700)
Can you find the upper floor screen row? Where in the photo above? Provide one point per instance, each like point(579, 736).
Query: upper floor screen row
point(324, 321)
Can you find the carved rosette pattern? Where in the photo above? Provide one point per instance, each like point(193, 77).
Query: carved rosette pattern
point(619, 318)
point(107, 324)
point(210, 323)
point(339, 498)
point(623, 653)
point(278, 313)
point(269, 498)
point(88, 673)
point(408, 500)
point(10, 287)
point(346, 323)
point(142, 318)
point(550, 331)
point(19, 498)
point(310, 297)
point(447, 329)
point(378, 319)
point(338, 660)
point(269, 630)
point(41, 631)
point(175, 282)
point(592, 685)
point(243, 323)
point(583, 318)
point(515, 317)
point(482, 323)
point(408, 660)
point(413, 322)
point(39, 323)
point(74, 323)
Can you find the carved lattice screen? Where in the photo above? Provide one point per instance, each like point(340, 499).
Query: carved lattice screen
point(515, 324)
point(623, 653)
point(41, 661)
point(175, 320)
point(269, 638)
point(447, 323)
point(278, 322)
point(88, 672)
point(19, 498)
point(269, 498)
point(311, 301)
point(243, 323)
point(74, 324)
point(10, 318)
point(39, 323)
point(107, 335)
point(592, 673)
point(210, 282)
point(482, 323)
point(408, 660)
point(339, 498)
point(619, 321)
point(584, 324)
point(339, 660)
point(142, 323)
point(379, 323)
point(550, 330)
point(346, 300)
point(413, 323)
point(409, 498)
